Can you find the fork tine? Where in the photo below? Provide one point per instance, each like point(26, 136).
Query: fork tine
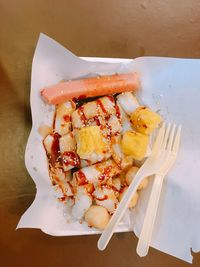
point(166, 137)
point(177, 140)
point(171, 138)
point(159, 139)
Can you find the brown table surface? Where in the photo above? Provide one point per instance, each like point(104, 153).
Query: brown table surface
point(120, 28)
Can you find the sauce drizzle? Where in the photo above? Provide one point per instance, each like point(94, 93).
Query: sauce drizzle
point(81, 97)
point(111, 98)
point(118, 114)
point(102, 198)
point(81, 178)
point(70, 158)
point(55, 149)
point(67, 118)
point(96, 119)
point(82, 115)
point(100, 104)
point(105, 174)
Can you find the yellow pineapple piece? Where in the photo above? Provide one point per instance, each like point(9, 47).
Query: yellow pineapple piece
point(89, 141)
point(134, 144)
point(145, 120)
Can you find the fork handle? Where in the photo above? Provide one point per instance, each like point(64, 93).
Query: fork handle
point(150, 216)
point(118, 214)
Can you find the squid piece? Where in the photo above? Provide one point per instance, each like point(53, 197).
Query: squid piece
point(114, 125)
point(69, 156)
point(67, 143)
point(62, 123)
point(51, 144)
point(116, 184)
point(125, 121)
point(48, 141)
point(61, 151)
point(97, 121)
point(106, 197)
point(86, 163)
point(97, 173)
point(70, 160)
point(128, 102)
point(104, 107)
point(122, 160)
point(61, 180)
point(82, 202)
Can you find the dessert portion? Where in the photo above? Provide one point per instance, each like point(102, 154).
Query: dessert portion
point(96, 147)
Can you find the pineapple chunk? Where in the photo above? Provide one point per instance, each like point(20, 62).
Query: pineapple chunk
point(89, 142)
point(134, 144)
point(145, 120)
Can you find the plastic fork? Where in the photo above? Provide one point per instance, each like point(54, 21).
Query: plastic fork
point(151, 166)
point(171, 146)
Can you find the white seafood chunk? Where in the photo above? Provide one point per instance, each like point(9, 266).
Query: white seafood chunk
point(87, 174)
point(90, 109)
point(51, 144)
point(105, 197)
point(70, 160)
point(97, 216)
point(114, 124)
point(116, 183)
point(97, 121)
point(62, 124)
point(128, 102)
point(97, 173)
point(125, 120)
point(122, 160)
point(78, 119)
point(61, 179)
point(48, 141)
point(69, 156)
point(82, 203)
point(134, 199)
point(130, 175)
point(67, 143)
point(106, 105)
point(86, 163)
point(103, 106)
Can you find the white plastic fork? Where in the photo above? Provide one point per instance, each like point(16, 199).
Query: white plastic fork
point(171, 146)
point(151, 166)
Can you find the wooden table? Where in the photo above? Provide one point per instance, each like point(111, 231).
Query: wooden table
point(88, 28)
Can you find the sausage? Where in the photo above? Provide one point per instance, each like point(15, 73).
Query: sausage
point(90, 87)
